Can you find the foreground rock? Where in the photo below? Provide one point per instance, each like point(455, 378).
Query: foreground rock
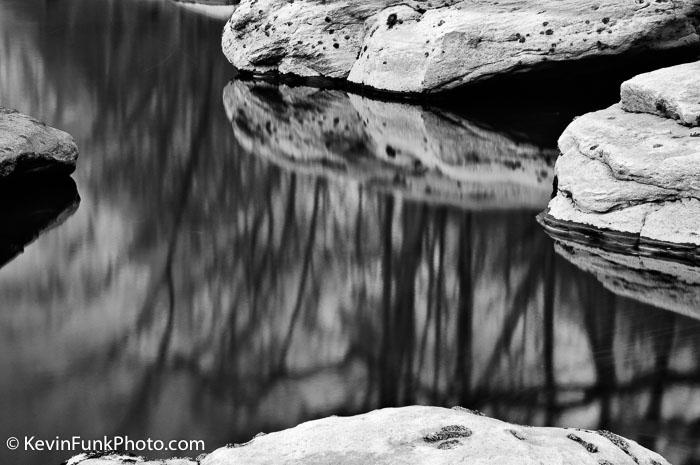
point(29, 146)
point(660, 277)
point(421, 153)
point(418, 46)
point(635, 173)
point(426, 435)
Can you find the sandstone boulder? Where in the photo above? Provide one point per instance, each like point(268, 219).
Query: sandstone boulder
point(669, 92)
point(635, 173)
point(418, 152)
point(416, 46)
point(28, 146)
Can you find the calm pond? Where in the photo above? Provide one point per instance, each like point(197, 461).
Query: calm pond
point(237, 256)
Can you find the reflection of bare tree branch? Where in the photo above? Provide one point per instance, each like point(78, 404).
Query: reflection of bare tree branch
point(386, 379)
point(304, 275)
point(465, 315)
point(664, 346)
point(527, 287)
point(147, 312)
point(145, 393)
point(403, 324)
point(432, 296)
point(290, 212)
point(599, 322)
point(549, 288)
point(440, 298)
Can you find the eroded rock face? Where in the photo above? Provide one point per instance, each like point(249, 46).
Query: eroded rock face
point(636, 173)
point(669, 92)
point(418, 46)
point(27, 145)
point(420, 152)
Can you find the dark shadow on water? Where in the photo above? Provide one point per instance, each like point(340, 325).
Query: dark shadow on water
point(30, 206)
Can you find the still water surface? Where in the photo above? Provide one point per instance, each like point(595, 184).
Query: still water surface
point(245, 257)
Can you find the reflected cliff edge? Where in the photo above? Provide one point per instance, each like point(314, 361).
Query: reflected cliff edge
point(422, 153)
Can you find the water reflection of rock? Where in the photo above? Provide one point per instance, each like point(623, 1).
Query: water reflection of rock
point(423, 153)
point(216, 9)
point(656, 277)
point(30, 208)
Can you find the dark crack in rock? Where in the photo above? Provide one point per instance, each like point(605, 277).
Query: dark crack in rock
point(587, 445)
point(619, 442)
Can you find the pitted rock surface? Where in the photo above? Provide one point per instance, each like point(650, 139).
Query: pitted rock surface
point(418, 46)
